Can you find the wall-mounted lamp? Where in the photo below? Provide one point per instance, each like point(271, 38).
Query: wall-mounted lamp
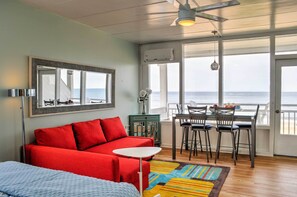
point(22, 93)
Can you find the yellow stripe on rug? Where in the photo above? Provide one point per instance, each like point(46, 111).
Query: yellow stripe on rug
point(163, 167)
point(180, 187)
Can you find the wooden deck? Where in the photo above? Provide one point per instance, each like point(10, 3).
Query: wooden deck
point(271, 177)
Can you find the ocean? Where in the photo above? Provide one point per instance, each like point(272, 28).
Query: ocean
point(91, 93)
point(229, 97)
point(203, 97)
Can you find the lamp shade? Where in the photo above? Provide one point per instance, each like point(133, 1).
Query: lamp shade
point(215, 66)
point(186, 16)
point(21, 92)
point(186, 22)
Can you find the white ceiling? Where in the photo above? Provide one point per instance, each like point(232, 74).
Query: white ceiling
point(128, 19)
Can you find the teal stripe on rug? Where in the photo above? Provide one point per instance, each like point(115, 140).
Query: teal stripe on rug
point(189, 171)
point(156, 178)
point(200, 172)
point(185, 179)
point(213, 174)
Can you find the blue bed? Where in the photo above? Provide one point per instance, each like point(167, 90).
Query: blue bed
point(18, 179)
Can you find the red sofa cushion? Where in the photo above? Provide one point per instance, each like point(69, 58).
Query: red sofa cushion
point(59, 137)
point(129, 169)
point(125, 142)
point(88, 134)
point(79, 162)
point(113, 128)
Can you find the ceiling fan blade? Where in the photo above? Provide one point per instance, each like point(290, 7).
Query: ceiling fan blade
point(211, 17)
point(155, 13)
point(177, 4)
point(217, 6)
point(174, 22)
point(196, 3)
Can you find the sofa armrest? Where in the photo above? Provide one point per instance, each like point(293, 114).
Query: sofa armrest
point(79, 162)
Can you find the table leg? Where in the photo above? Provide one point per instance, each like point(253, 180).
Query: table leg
point(187, 138)
point(255, 132)
point(253, 146)
point(140, 176)
point(173, 138)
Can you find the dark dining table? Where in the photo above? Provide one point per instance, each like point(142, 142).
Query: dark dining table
point(241, 116)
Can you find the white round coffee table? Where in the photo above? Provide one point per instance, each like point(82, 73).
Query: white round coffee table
point(138, 152)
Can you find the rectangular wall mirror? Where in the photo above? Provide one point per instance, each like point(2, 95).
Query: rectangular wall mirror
point(65, 87)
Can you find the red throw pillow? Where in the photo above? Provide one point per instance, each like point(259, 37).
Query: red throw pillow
point(113, 128)
point(59, 137)
point(88, 134)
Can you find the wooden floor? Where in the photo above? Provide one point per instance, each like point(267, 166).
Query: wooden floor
point(271, 177)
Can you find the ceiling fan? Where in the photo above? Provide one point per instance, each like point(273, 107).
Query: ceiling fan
point(187, 15)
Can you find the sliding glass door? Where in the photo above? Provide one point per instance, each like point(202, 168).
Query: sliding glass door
point(286, 108)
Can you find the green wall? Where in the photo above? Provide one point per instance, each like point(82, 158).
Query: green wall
point(27, 31)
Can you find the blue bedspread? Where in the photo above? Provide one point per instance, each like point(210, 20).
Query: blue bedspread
point(18, 179)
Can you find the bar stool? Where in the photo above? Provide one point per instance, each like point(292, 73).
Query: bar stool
point(185, 124)
point(224, 118)
point(246, 127)
point(198, 123)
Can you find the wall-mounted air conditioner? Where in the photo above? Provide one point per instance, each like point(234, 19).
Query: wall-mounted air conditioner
point(158, 55)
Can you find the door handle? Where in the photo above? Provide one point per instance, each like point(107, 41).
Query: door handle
point(277, 111)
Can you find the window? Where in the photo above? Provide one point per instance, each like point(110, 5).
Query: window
point(201, 83)
point(164, 82)
point(246, 75)
point(154, 76)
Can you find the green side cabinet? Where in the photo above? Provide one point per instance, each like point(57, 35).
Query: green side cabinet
point(147, 125)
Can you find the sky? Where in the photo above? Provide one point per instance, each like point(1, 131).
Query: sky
point(242, 73)
point(94, 79)
point(289, 79)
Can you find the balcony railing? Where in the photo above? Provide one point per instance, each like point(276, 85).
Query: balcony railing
point(288, 121)
point(263, 116)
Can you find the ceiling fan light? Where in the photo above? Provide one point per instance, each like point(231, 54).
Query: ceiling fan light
point(186, 22)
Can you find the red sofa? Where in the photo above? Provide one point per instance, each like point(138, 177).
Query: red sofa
point(85, 148)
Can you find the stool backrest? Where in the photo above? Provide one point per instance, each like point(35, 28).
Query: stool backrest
point(225, 116)
point(180, 111)
point(179, 108)
point(197, 114)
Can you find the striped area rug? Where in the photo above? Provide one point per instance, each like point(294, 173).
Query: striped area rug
point(174, 179)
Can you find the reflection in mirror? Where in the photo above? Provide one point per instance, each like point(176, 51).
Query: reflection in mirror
point(69, 87)
point(58, 86)
point(97, 85)
point(46, 86)
point(64, 87)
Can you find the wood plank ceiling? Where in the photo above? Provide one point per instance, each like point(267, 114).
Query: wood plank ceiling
point(129, 20)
